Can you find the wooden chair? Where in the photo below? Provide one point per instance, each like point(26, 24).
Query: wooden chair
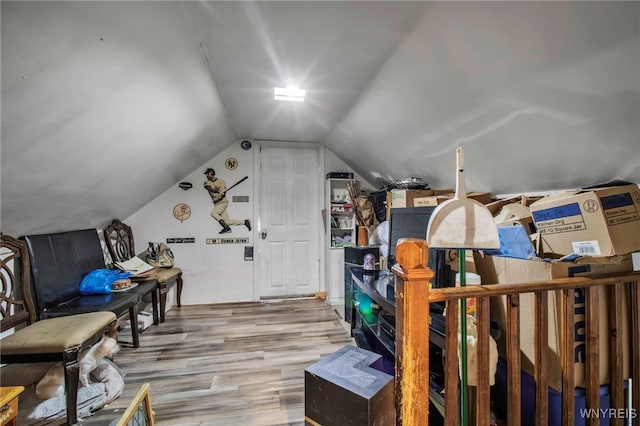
point(49, 340)
point(118, 238)
point(139, 412)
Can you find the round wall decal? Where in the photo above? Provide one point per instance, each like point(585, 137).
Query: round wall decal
point(182, 211)
point(231, 163)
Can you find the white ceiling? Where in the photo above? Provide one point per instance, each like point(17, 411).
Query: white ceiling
point(102, 97)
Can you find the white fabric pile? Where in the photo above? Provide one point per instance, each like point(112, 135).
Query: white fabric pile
point(107, 385)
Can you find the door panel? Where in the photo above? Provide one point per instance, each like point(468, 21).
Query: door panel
point(289, 219)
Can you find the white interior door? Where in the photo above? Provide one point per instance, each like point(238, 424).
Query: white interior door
point(289, 220)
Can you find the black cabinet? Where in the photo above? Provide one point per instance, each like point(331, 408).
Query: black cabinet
point(369, 304)
point(348, 293)
point(370, 308)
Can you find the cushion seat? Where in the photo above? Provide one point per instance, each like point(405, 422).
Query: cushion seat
point(165, 275)
point(56, 334)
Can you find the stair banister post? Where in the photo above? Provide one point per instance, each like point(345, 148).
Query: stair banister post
point(412, 332)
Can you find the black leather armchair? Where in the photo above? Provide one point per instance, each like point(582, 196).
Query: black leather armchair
point(59, 261)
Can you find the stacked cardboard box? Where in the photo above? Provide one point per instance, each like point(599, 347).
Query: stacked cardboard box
point(429, 197)
point(442, 195)
point(406, 197)
point(437, 199)
point(603, 221)
point(403, 198)
point(503, 270)
point(515, 214)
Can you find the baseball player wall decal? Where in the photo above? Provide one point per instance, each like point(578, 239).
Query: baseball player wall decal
point(217, 190)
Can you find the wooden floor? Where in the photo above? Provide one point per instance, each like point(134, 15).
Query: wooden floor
point(229, 364)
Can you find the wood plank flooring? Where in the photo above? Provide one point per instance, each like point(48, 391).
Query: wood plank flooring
point(229, 364)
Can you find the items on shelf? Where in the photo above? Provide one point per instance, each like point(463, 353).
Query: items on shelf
point(341, 241)
point(342, 211)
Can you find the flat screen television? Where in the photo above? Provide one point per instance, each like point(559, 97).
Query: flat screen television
point(412, 222)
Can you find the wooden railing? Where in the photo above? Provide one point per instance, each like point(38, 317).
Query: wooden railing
point(412, 345)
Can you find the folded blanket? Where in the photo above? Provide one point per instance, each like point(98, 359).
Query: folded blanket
point(34, 411)
point(37, 412)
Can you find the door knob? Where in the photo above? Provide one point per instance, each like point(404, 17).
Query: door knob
point(263, 235)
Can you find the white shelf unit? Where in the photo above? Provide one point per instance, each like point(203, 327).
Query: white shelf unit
point(340, 232)
point(340, 214)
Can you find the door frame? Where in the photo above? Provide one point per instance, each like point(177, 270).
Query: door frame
point(259, 144)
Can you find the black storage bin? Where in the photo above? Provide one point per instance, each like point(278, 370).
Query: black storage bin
point(379, 199)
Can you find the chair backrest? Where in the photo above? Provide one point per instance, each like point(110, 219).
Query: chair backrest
point(16, 305)
point(118, 237)
point(59, 262)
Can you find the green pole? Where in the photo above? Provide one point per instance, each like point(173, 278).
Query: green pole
point(464, 403)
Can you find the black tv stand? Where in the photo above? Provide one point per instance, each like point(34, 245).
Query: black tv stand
point(370, 309)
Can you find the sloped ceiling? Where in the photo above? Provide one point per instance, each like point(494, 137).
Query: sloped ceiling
point(105, 105)
point(541, 95)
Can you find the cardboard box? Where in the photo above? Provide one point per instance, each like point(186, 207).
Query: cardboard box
point(504, 270)
point(405, 197)
point(446, 191)
point(437, 196)
point(495, 206)
point(437, 199)
point(481, 197)
point(515, 214)
point(432, 200)
point(528, 397)
point(596, 222)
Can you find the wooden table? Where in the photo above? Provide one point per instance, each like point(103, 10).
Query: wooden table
point(9, 404)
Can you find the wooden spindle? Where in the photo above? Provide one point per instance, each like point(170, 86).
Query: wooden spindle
point(616, 389)
point(513, 360)
point(483, 405)
point(592, 380)
point(452, 378)
point(541, 343)
point(566, 359)
point(634, 313)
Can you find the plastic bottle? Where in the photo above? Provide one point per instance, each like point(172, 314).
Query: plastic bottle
point(471, 279)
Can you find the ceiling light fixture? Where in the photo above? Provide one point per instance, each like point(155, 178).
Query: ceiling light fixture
point(290, 93)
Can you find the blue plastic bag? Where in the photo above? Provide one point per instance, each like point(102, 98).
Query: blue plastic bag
point(99, 281)
point(514, 242)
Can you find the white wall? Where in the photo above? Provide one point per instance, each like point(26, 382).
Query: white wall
point(212, 273)
point(216, 273)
